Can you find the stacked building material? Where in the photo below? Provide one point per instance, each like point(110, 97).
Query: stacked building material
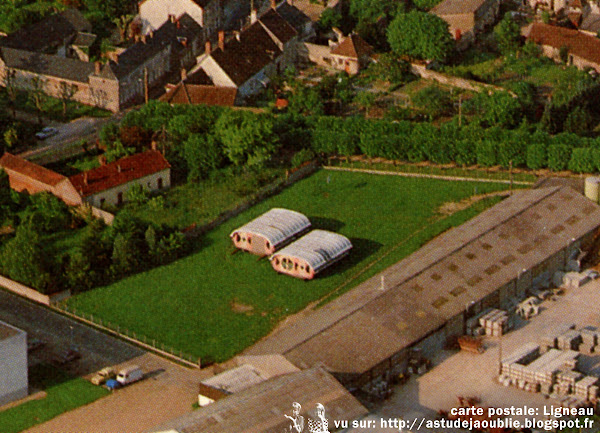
point(495, 323)
point(565, 382)
point(589, 340)
point(586, 388)
point(570, 340)
point(513, 365)
point(574, 280)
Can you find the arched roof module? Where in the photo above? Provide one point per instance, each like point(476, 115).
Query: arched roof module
point(276, 225)
point(318, 248)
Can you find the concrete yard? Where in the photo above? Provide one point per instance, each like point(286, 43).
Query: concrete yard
point(471, 375)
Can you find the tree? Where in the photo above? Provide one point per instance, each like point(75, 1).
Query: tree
point(433, 100)
point(365, 100)
point(508, 35)
point(425, 4)
point(137, 194)
point(122, 22)
point(47, 213)
point(420, 35)
point(330, 18)
point(247, 138)
point(10, 84)
point(66, 91)
point(202, 154)
point(24, 260)
point(37, 94)
point(579, 121)
point(307, 101)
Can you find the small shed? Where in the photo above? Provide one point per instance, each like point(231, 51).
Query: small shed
point(311, 254)
point(270, 231)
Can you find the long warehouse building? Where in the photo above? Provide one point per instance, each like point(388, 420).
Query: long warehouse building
point(490, 261)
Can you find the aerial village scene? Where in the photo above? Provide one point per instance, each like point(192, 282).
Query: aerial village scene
point(287, 216)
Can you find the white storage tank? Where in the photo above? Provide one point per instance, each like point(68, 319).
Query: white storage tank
point(592, 186)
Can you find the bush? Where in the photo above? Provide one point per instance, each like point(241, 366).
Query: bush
point(537, 156)
point(558, 157)
point(486, 153)
point(301, 157)
point(434, 101)
point(584, 160)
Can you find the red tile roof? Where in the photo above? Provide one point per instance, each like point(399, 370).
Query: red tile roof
point(578, 43)
point(185, 93)
point(29, 169)
point(119, 172)
point(353, 46)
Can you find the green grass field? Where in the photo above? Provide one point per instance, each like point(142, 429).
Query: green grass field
point(64, 393)
point(212, 304)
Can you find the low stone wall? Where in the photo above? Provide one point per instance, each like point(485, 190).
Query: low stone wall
point(34, 295)
point(462, 83)
point(107, 217)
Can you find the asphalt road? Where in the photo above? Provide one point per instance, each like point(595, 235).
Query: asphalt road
point(60, 333)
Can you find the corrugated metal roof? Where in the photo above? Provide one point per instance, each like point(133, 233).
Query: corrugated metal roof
point(421, 293)
point(318, 248)
point(236, 379)
point(261, 408)
point(276, 225)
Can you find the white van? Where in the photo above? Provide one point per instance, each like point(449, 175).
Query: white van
point(129, 375)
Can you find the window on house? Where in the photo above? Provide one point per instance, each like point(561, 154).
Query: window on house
point(237, 237)
point(102, 201)
point(120, 198)
point(160, 183)
point(249, 240)
point(307, 269)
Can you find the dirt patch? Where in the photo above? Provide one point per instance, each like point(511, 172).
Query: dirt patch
point(238, 307)
point(451, 207)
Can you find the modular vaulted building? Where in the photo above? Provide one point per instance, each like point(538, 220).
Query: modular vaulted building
point(490, 261)
point(270, 231)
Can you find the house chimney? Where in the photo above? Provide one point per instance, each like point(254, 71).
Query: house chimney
point(238, 35)
point(222, 40)
point(172, 18)
point(273, 4)
point(207, 48)
point(102, 159)
point(183, 74)
point(144, 38)
point(97, 67)
point(253, 16)
point(85, 178)
point(154, 145)
point(118, 168)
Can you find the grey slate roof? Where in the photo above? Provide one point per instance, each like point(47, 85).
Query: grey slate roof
point(45, 64)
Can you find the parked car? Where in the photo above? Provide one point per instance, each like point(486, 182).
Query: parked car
point(67, 356)
point(130, 374)
point(103, 375)
point(47, 132)
point(112, 384)
point(34, 344)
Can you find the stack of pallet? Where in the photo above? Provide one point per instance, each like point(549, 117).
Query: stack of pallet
point(495, 323)
point(512, 366)
point(586, 388)
point(569, 340)
point(589, 340)
point(565, 382)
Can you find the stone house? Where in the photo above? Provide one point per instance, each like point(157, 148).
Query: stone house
point(351, 54)
point(583, 50)
point(467, 18)
point(198, 88)
point(154, 13)
point(109, 183)
point(248, 60)
point(106, 184)
point(59, 71)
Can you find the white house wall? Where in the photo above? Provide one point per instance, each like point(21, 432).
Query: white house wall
point(216, 74)
point(111, 196)
point(154, 13)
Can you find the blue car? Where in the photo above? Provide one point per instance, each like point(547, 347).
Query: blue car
point(112, 384)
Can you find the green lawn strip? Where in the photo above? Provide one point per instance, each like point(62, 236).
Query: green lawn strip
point(64, 393)
point(194, 304)
point(438, 170)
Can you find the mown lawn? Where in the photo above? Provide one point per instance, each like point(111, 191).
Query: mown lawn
point(212, 304)
point(64, 393)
